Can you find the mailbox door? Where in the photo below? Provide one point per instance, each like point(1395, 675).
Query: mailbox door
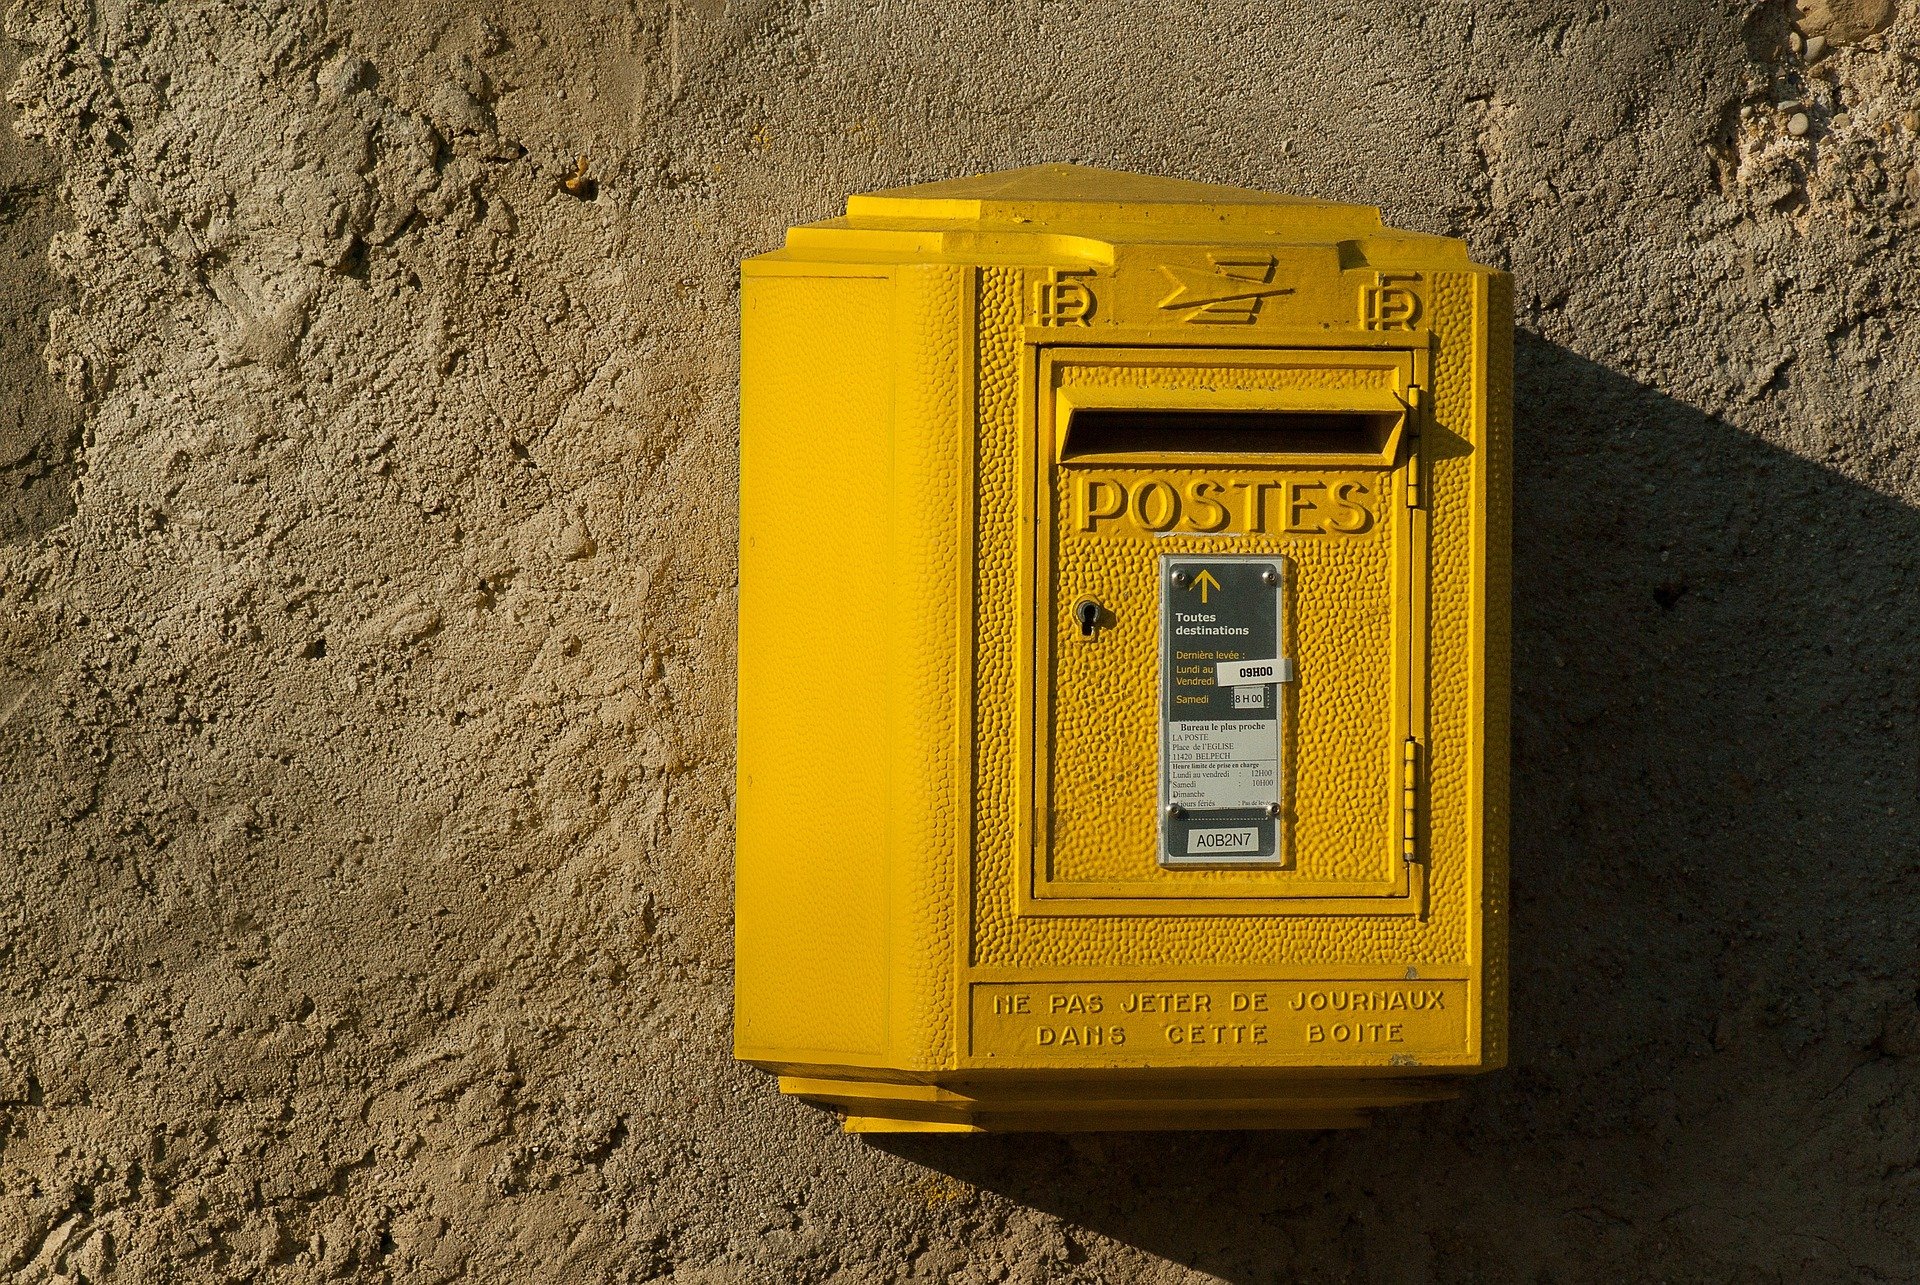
point(1228, 690)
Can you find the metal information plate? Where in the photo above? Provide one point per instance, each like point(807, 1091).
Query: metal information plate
point(1220, 709)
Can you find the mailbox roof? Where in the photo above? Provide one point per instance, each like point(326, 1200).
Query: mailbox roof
point(1051, 213)
point(1084, 199)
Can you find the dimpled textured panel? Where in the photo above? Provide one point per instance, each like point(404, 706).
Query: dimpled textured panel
point(1451, 718)
point(996, 536)
point(1497, 455)
point(1342, 758)
point(926, 808)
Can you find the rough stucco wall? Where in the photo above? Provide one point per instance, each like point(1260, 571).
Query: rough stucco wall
point(364, 663)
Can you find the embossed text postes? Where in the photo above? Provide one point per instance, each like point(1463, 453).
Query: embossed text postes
point(1131, 505)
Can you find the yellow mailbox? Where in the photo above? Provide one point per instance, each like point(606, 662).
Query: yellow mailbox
point(1122, 658)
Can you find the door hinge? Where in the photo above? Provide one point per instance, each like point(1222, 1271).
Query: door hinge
point(1409, 799)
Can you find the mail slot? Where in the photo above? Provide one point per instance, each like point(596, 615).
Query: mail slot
point(1204, 434)
point(1122, 659)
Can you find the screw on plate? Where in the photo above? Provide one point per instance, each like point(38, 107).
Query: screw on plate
point(1273, 810)
point(1086, 613)
point(1270, 577)
point(1175, 811)
point(1180, 578)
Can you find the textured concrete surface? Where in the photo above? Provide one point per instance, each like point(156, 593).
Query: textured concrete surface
point(365, 634)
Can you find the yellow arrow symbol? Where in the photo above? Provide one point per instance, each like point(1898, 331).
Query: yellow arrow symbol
point(1203, 582)
point(1195, 289)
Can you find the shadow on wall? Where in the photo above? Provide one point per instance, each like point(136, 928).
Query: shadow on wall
point(39, 426)
point(1716, 788)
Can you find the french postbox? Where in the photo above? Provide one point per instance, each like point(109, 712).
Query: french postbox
point(1122, 658)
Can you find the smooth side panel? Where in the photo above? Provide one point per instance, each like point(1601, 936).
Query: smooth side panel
point(812, 873)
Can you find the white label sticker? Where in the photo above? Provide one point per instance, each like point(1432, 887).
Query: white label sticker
point(1223, 764)
point(1202, 843)
point(1237, 673)
point(1222, 631)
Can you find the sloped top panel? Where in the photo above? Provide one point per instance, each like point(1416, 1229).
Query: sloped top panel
point(1085, 200)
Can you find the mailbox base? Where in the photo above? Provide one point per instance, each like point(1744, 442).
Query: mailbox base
point(1085, 1104)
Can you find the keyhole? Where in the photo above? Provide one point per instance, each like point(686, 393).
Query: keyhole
point(1087, 613)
